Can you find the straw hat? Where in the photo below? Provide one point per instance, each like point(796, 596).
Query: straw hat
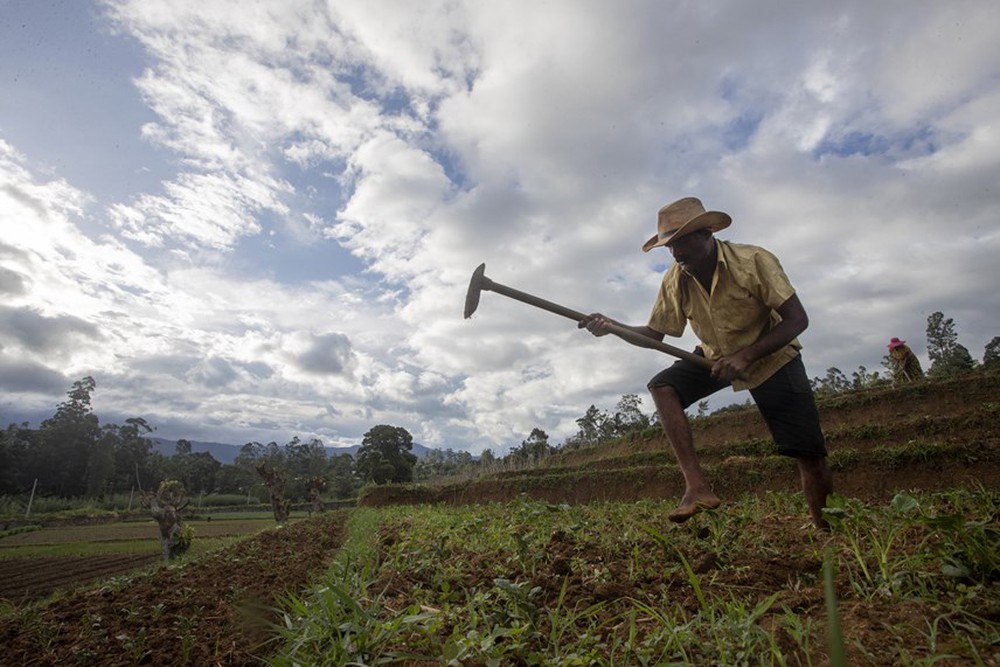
point(683, 217)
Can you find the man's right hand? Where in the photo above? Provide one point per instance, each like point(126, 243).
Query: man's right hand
point(596, 323)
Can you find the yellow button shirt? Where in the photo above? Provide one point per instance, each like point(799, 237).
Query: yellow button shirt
point(748, 287)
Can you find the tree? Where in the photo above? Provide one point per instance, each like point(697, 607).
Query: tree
point(15, 444)
point(534, 449)
point(270, 463)
point(275, 482)
point(991, 355)
point(835, 382)
point(133, 455)
point(101, 464)
point(628, 417)
point(71, 454)
point(591, 426)
point(65, 442)
point(315, 486)
point(385, 455)
point(948, 356)
point(197, 472)
point(342, 476)
point(862, 379)
point(304, 461)
point(182, 448)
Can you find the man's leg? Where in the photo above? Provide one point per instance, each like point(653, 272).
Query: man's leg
point(698, 494)
point(786, 402)
point(817, 485)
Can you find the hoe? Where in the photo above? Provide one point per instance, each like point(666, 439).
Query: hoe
point(480, 282)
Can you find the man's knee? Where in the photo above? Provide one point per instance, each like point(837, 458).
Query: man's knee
point(664, 393)
point(669, 407)
point(814, 467)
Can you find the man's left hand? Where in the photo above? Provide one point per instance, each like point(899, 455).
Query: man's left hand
point(731, 367)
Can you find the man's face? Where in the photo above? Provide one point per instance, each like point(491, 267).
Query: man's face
point(692, 249)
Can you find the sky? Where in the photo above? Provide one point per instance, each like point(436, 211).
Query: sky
point(250, 221)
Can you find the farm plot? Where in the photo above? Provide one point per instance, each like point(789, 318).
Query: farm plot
point(915, 581)
point(212, 610)
point(35, 564)
point(25, 579)
point(124, 532)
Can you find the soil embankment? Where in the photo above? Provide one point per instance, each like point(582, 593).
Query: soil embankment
point(928, 435)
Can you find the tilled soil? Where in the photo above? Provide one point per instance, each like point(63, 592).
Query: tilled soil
point(25, 579)
point(216, 610)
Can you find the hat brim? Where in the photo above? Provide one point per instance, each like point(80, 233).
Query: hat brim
point(711, 220)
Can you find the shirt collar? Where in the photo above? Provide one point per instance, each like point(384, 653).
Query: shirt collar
point(720, 258)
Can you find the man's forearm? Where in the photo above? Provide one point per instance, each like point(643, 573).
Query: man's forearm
point(772, 341)
point(645, 331)
point(793, 322)
point(595, 323)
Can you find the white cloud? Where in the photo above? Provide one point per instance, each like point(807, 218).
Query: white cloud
point(857, 141)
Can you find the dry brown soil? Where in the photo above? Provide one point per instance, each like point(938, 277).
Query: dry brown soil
point(212, 611)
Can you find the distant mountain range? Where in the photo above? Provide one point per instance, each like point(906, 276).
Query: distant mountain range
point(226, 453)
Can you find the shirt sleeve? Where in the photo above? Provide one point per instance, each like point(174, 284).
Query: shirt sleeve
point(773, 285)
point(668, 313)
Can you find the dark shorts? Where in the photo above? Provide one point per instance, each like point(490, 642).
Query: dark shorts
point(785, 401)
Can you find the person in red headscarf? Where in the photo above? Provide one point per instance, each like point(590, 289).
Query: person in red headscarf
point(905, 365)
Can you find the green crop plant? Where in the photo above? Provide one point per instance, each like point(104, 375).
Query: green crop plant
point(967, 535)
point(565, 625)
point(834, 630)
point(334, 625)
point(19, 530)
point(867, 432)
point(799, 630)
point(928, 653)
point(873, 535)
point(843, 459)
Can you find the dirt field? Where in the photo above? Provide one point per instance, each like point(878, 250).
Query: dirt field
point(23, 579)
point(213, 611)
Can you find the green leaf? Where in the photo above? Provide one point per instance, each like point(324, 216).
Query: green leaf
point(834, 633)
point(948, 522)
point(956, 570)
point(903, 502)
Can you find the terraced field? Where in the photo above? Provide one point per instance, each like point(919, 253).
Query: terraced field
point(928, 436)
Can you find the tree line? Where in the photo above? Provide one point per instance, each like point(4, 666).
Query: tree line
point(73, 455)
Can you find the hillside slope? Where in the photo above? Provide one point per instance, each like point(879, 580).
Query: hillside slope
point(929, 435)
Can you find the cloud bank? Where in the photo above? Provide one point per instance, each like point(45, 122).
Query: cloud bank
point(333, 172)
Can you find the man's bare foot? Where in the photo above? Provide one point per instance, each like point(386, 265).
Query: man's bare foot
point(689, 507)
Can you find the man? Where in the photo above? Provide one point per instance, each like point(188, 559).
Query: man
point(747, 316)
